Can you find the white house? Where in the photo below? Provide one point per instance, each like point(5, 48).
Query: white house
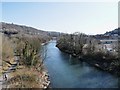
point(109, 44)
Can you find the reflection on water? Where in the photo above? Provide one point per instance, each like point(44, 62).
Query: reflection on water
point(68, 72)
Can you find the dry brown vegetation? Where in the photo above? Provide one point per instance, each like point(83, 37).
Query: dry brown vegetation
point(29, 50)
point(7, 52)
point(28, 73)
point(25, 42)
point(25, 78)
point(7, 48)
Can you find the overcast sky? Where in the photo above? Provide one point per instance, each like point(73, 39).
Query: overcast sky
point(68, 17)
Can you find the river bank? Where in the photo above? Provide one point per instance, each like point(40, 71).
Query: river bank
point(96, 61)
point(23, 64)
point(20, 76)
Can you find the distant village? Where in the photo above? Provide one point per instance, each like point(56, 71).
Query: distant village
point(110, 40)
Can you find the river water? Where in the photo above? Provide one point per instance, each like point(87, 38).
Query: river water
point(69, 72)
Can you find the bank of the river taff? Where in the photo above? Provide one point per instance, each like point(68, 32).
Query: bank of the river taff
point(69, 72)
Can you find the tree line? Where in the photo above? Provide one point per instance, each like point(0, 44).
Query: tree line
point(92, 50)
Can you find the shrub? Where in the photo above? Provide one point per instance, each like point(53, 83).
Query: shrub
point(29, 50)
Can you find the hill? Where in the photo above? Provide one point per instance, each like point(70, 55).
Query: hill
point(10, 28)
point(115, 32)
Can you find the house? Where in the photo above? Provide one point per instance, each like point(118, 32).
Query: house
point(109, 44)
point(108, 41)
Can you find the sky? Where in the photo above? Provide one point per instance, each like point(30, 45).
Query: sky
point(67, 17)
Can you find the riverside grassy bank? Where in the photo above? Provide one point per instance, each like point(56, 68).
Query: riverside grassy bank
point(29, 71)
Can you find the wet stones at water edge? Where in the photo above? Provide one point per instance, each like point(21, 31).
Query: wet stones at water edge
point(46, 81)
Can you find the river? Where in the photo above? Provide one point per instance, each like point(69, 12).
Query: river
point(69, 72)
